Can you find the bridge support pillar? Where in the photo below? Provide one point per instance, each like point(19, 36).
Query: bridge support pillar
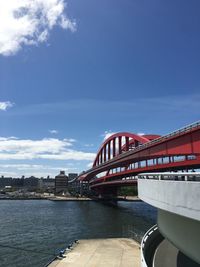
point(107, 193)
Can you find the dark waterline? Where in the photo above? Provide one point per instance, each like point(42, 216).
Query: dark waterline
point(48, 226)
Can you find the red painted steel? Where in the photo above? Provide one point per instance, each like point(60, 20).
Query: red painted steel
point(127, 143)
point(120, 144)
point(114, 147)
point(109, 150)
point(176, 151)
point(117, 183)
point(154, 168)
point(104, 153)
point(111, 140)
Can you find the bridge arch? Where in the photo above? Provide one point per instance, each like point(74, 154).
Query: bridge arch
point(118, 143)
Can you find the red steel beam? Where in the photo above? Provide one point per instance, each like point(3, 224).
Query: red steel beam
point(114, 147)
point(104, 157)
point(120, 144)
point(181, 143)
point(187, 164)
point(109, 150)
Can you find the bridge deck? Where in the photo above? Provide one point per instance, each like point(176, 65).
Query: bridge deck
point(112, 252)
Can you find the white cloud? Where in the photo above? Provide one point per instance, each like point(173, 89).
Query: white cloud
point(89, 145)
point(69, 154)
point(107, 134)
point(7, 173)
point(29, 22)
point(141, 134)
point(5, 105)
point(12, 148)
point(89, 165)
point(33, 169)
point(53, 131)
point(71, 140)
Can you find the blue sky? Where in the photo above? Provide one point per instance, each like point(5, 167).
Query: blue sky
point(95, 67)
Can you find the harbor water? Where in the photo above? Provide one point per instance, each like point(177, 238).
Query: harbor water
point(33, 231)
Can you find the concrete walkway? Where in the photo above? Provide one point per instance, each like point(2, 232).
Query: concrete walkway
point(111, 252)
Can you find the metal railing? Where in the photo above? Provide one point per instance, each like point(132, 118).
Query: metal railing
point(185, 129)
point(157, 140)
point(175, 176)
point(149, 244)
point(177, 132)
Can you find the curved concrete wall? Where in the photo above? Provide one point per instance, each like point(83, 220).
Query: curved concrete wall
point(149, 244)
point(179, 211)
point(183, 232)
point(179, 197)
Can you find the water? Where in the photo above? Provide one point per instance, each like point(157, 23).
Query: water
point(48, 226)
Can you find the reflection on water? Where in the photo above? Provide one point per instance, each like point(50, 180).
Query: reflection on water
point(48, 226)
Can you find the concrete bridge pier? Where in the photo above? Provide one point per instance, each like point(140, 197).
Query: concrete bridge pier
point(107, 193)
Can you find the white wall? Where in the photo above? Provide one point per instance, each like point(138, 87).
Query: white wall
point(183, 232)
point(180, 197)
point(178, 204)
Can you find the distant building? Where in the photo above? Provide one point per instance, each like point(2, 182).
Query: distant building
point(31, 183)
point(61, 183)
point(47, 184)
point(5, 181)
point(17, 183)
point(72, 176)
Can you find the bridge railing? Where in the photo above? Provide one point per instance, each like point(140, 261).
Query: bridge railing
point(179, 131)
point(149, 244)
point(181, 176)
point(157, 140)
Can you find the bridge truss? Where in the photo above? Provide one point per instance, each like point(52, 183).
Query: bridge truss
point(124, 155)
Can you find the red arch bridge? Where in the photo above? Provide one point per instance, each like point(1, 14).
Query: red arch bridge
point(124, 155)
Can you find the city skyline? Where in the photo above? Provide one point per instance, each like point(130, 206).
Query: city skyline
point(90, 70)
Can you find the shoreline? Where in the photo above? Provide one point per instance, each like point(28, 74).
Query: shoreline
point(127, 199)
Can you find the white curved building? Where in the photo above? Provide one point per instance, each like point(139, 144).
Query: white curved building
point(175, 241)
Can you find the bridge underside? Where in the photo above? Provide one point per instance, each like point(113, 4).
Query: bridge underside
point(110, 189)
point(128, 177)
